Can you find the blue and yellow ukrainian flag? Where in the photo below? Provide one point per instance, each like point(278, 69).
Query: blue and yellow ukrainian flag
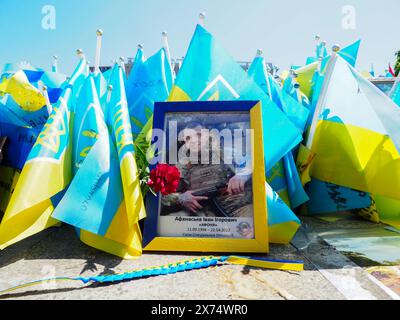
point(294, 110)
point(118, 120)
point(283, 177)
point(210, 73)
point(46, 173)
point(150, 80)
point(362, 123)
point(305, 74)
point(282, 222)
point(94, 201)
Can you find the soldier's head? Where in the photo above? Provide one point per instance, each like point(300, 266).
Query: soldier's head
point(192, 134)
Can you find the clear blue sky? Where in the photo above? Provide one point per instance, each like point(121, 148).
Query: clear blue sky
point(284, 29)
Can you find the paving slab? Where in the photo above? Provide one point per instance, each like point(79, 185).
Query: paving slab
point(58, 252)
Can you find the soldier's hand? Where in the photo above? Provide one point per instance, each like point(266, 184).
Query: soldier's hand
point(191, 202)
point(236, 185)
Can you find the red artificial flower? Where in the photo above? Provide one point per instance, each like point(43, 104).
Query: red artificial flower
point(164, 178)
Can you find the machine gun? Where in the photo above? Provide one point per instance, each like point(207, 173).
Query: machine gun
point(211, 192)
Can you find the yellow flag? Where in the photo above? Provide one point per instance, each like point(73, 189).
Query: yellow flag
point(305, 76)
point(24, 94)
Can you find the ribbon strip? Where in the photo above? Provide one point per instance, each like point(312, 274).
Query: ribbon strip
point(185, 265)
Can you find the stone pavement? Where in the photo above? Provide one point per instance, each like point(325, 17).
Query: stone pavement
point(58, 252)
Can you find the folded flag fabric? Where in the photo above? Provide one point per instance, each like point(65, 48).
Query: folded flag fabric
point(20, 140)
point(118, 120)
point(46, 172)
point(122, 237)
point(210, 73)
point(11, 112)
point(362, 123)
point(94, 201)
point(395, 93)
point(282, 222)
point(326, 198)
point(23, 92)
point(304, 77)
point(283, 177)
point(349, 54)
point(150, 80)
point(305, 74)
point(294, 110)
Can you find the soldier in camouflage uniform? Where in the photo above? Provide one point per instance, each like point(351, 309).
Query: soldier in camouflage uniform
point(235, 200)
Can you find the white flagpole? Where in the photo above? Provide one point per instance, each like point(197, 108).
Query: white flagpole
point(202, 17)
point(54, 67)
point(122, 63)
point(323, 47)
point(322, 97)
point(166, 46)
point(317, 43)
point(259, 54)
point(46, 96)
point(99, 34)
point(80, 53)
point(109, 91)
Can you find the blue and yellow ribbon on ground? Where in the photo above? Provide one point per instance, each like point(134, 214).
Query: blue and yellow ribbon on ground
point(171, 268)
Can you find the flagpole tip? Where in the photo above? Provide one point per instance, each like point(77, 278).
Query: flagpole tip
point(259, 52)
point(140, 46)
point(335, 48)
point(79, 53)
point(202, 17)
point(99, 32)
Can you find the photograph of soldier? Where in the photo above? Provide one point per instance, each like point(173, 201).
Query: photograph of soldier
point(215, 185)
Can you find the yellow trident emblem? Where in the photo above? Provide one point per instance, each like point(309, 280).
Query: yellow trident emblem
point(53, 130)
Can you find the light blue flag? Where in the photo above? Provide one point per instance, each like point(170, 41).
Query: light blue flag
point(150, 81)
point(95, 193)
point(101, 88)
point(283, 177)
point(349, 53)
point(210, 73)
point(288, 85)
point(88, 122)
point(11, 111)
point(320, 51)
point(278, 211)
point(296, 192)
point(395, 95)
point(326, 197)
point(295, 111)
point(311, 60)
